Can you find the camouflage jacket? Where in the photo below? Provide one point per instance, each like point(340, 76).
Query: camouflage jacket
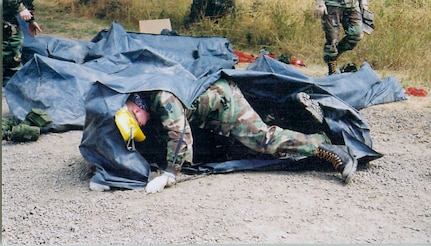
point(208, 111)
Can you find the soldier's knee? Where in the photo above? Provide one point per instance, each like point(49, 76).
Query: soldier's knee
point(353, 41)
point(355, 34)
point(358, 36)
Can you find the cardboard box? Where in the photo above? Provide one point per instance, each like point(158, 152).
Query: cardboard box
point(154, 26)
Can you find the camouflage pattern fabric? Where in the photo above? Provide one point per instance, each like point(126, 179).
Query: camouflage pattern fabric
point(12, 34)
point(338, 16)
point(174, 120)
point(222, 109)
point(12, 42)
point(342, 3)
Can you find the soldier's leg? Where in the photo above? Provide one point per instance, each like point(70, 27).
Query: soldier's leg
point(352, 25)
point(251, 131)
point(12, 51)
point(331, 24)
point(11, 54)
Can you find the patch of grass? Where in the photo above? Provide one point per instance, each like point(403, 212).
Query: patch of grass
point(400, 43)
point(59, 21)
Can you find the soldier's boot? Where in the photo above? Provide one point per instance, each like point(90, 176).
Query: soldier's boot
point(332, 67)
point(311, 106)
point(340, 157)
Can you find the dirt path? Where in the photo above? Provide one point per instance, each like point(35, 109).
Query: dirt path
point(46, 199)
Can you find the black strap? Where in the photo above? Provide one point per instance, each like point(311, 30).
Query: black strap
point(181, 138)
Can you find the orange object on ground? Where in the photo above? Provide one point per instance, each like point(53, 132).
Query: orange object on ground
point(297, 62)
point(416, 92)
point(243, 57)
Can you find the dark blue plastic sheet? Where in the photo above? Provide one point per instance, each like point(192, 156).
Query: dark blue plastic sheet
point(82, 84)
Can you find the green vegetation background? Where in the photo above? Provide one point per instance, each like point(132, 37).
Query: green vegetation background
point(400, 45)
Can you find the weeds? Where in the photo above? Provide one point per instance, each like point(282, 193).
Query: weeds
point(401, 41)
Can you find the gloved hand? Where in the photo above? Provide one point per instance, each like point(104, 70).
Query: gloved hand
point(363, 5)
point(320, 9)
point(25, 14)
point(159, 183)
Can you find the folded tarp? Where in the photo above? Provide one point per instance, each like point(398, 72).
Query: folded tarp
point(199, 55)
point(365, 89)
point(57, 87)
point(82, 84)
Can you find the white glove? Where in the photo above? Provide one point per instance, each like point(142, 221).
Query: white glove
point(25, 14)
point(363, 5)
point(159, 183)
point(320, 9)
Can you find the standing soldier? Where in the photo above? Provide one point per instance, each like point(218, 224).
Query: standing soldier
point(12, 34)
point(335, 13)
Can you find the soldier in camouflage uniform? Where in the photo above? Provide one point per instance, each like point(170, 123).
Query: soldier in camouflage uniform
point(12, 34)
point(222, 109)
point(334, 14)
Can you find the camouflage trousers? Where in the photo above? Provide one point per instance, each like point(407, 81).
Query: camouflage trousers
point(12, 45)
point(224, 110)
point(351, 21)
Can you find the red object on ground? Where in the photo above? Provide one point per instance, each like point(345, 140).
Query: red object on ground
point(297, 62)
point(416, 92)
point(243, 57)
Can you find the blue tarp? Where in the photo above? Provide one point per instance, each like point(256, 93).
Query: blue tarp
point(82, 84)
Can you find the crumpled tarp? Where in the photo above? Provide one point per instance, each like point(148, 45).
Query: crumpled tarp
point(82, 84)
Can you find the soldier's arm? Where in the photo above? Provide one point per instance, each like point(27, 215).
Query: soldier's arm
point(173, 118)
point(15, 5)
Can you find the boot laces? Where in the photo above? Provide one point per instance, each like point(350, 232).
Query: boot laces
point(332, 67)
point(330, 157)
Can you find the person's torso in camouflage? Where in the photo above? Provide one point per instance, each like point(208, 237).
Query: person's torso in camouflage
point(222, 109)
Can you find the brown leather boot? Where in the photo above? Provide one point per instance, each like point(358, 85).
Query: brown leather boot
point(340, 157)
point(332, 67)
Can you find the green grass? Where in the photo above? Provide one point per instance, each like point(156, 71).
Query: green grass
point(400, 45)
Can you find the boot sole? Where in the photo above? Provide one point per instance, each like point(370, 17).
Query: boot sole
point(311, 106)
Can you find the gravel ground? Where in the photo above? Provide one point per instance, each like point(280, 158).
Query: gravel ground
point(46, 199)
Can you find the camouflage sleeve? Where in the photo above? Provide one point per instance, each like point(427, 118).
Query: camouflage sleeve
point(13, 6)
point(173, 118)
point(10, 10)
point(30, 6)
point(21, 7)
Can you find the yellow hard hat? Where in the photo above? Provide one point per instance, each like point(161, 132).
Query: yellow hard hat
point(128, 126)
